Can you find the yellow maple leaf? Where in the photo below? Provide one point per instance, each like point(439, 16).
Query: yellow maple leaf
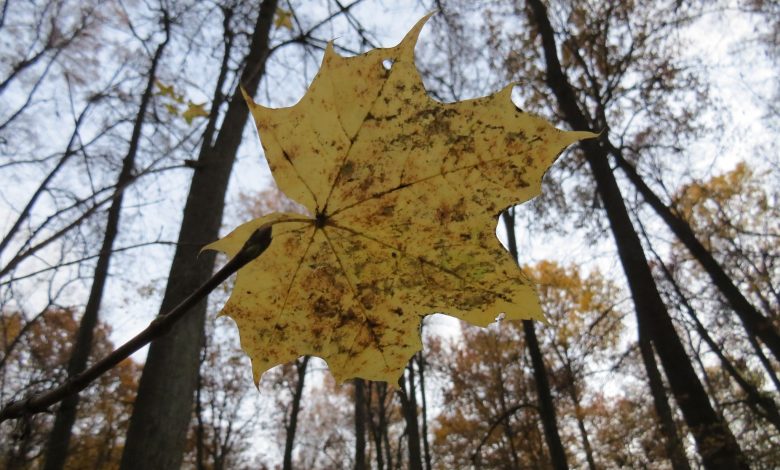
point(172, 109)
point(283, 19)
point(165, 90)
point(193, 111)
point(404, 193)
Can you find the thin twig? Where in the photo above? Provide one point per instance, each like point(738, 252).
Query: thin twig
point(40, 402)
point(504, 416)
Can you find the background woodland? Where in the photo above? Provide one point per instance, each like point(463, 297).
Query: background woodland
point(125, 146)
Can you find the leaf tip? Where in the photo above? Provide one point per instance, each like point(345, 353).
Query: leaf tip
point(247, 98)
point(406, 46)
point(330, 51)
point(213, 246)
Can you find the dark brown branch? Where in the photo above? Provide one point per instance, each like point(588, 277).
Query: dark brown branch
point(504, 416)
point(40, 402)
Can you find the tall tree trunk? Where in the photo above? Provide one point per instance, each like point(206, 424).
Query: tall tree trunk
point(200, 434)
point(59, 438)
point(292, 422)
point(585, 439)
point(381, 389)
point(716, 444)
point(546, 406)
point(360, 424)
point(424, 411)
point(672, 442)
point(409, 406)
point(574, 395)
point(162, 411)
point(753, 321)
point(374, 429)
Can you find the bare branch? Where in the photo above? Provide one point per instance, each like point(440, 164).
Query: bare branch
point(37, 403)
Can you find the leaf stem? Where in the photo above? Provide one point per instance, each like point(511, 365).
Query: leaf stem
point(40, 402)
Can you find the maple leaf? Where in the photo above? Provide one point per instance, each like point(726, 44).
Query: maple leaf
point(283, 19)
point(193, 111)
point(404, 194)
point(165, 90)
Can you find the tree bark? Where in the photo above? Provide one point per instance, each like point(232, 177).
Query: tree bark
point(360, 424)
point(376, 433)
point(163, 407)
point(292, 422)
point(409, 406)
point(546, 406)
point(383, 425)
point(574, 395)
point(672, 442)
point(424, 410)
point(200, 434)
point(716, 444)
point(59, 438)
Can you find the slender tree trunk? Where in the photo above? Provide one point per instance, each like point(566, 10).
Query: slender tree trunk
point(546, 406)
point(716, 444)
point(162, 411)
point(575, 398)
point(424, 411)
point(585, 439)
point(292, 422)
point(672, 442)
point(59, 438)
point(200, 435)
point(381, 389)
point(409, 405)
point(360, 424)
point(373, 429)
point(753, 321)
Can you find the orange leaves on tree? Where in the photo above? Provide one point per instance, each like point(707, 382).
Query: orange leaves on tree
point(403, 194)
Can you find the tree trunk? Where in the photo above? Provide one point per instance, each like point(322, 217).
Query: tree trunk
point(753, 321)
point(381, 389)
point(673, 444)
point(585, 440)
point(716, 444)
point(292, 422)
point(163, 407)
point(360, 424)
point(376, 433)
point(574, 395)
point(546, 406)
point(200, 435)
point(59, 438)
point(409, 406)
point(424, 411)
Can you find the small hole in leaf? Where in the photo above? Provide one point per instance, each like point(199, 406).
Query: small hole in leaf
point(388, 63)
